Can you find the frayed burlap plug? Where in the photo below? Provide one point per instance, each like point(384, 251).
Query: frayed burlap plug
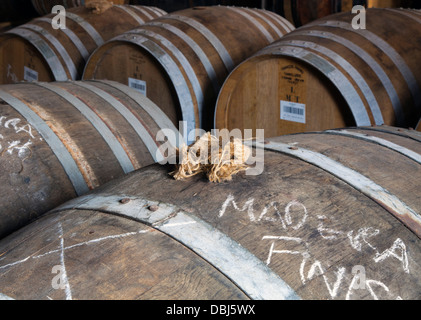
point(208, 156)
point(98, 6)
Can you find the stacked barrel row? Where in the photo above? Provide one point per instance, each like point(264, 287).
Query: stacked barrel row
point(334, 215)
point(322, 204)
point(98, 131)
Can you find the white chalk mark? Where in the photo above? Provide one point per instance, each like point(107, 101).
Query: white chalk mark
point(64, 277)
point(288, 214)
point(75, 246)
point(272, 247)
point(118, 236)
point(340, 275)
point(362, 235)
point(370, 283)
point(402, 256)
point(247, 206)
point(269, 219)
point(15, 263)
point(332, 234)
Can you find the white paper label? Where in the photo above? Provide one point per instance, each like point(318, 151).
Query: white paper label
point(138, 85)
point(29, 74)
point(291, 111)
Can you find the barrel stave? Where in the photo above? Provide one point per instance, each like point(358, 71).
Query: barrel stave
point(122, 258)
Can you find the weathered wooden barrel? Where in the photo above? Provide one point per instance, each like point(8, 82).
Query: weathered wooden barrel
point(329, 75)
point(301, 12)
point(60, 140)
point(44, 7)
point(37, 52)
point(16, 10)
point(334, 215)
point(181, 60)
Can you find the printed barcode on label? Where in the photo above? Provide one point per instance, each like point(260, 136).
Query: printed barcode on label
point(291, 111)
point(138, 85)
point(29, 74)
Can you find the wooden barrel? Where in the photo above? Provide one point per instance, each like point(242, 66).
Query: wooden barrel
point(334, 215)
point(60, 140)
point(301, 12)
point(328, 75)
point(35, 51)
point(16, 10)
point(419, 126)
point(181, 60)
point(44, 7)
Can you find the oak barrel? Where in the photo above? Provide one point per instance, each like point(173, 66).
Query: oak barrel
point(182, 59)
point(301, 12)
point(328, 75)
point(37, 52)
point(59, 140)
point(334, 215)
point(44, 7)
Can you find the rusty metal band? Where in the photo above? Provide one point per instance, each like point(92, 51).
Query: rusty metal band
point(212, 38)
point(253, 21)
point(382, 142)
point(388, 50)
point(138, 127)
point(174, 73)
point(129, 11)
point(185, 64)
point(244, 269)
point(377, 193)
point(142, 10)
point(44, 49)
point(73, 37)
point(87, 27)
point(337, 78)
point(350, 70)
point(197, 49)
point(58, 46)
point(101, 127)
point(370, 61)
point(64, 157)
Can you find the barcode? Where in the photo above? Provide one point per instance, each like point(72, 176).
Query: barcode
point(292, 110)
point(138, 85)
point(30, 75)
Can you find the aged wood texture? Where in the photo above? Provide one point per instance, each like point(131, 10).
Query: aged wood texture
point(37, 52)
point(59, 140)
point(315, 232)
point(328, 75)
point(183, 58)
